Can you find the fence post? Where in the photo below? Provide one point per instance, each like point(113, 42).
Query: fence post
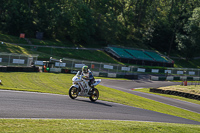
point(117, 68)
point(19, 59)
point(27, 61)
point(72, 64)
point(9, 60)
point(100, 67)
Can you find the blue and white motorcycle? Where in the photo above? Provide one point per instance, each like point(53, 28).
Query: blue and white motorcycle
point(81, 87)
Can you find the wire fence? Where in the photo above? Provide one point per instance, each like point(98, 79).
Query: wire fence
point(13, 59)
point(73, 64)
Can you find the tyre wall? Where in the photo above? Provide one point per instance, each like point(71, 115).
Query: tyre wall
point(19, 69)
point(176, 93)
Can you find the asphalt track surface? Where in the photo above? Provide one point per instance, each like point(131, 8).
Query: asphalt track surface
point(144, 82)
point(16, 104)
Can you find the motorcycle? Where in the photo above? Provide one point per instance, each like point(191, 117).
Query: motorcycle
point(81, 87)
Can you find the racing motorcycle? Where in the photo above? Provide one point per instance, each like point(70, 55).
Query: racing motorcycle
point(81, 87)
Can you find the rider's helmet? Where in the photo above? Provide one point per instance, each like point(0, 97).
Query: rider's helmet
point(85, 69)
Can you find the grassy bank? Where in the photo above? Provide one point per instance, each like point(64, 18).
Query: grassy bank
point(45, 53)
point(60, 83)
point(11, 39)
point(98, 126)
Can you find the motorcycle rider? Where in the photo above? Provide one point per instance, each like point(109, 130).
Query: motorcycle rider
point(87, 74)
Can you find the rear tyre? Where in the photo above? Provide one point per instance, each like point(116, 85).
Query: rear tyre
point(73, 92)
point(95, 95)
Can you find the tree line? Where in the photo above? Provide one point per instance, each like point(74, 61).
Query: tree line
point(166, 25)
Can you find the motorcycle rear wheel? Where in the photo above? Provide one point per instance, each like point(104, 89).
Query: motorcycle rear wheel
point(95, 95)
point(73, 92)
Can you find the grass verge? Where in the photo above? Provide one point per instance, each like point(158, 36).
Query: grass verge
point(60, 84)
point(82, 126)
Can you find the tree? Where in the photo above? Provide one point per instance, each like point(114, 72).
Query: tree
point(188, 41)
point(15, 17)
point(153, 23)
point(81, 22)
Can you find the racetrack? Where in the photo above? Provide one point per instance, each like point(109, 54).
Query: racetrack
point(17, 104)
point(144, 82)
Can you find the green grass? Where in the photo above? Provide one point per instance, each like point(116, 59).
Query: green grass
point(182, 63)
point(37, 82)
point(55, 42)
point(63, 42)
point(60, 84)
point(11, 39)
point(91, 126)
point(59, 53)
point(91, 55)
point(11, 48)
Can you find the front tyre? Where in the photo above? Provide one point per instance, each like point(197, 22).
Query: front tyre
point(73, 92)
point(95, 95)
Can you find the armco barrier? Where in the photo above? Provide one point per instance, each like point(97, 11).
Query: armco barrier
point(55, 70)
point(189, 78)
point(119, 76)
point(176, 93)
point(103, 74)
point(65, 71)
point(131, 76)
point(169, 78)
point(3, 69)
point(176, 78)
point(158, 78)
point(96, 74)
point(99, 74)
point(154, 78)
point(112, 75)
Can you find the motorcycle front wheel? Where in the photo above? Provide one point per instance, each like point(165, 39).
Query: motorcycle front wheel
point(73, 92)
point(95, 95)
